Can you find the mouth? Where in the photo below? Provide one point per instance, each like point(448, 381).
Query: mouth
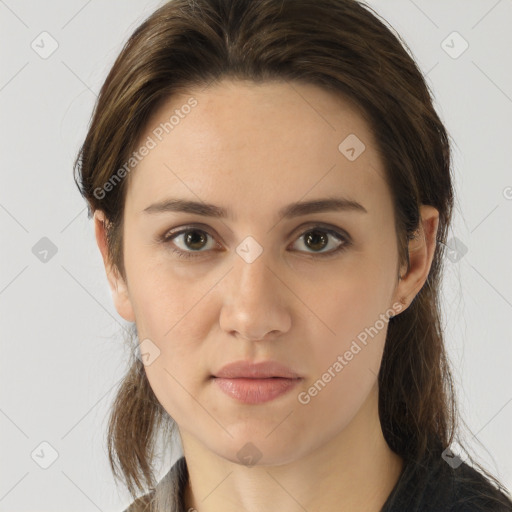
point(255, 383)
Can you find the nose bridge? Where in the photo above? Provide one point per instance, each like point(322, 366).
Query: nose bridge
point(253, 278)
point(253, 306)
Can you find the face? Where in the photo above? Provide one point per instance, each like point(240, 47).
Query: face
point(311, 290)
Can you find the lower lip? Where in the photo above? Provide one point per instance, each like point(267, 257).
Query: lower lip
point(255, 391)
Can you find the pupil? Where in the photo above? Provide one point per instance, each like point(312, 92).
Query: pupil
point(314, 237)
point(191, 239)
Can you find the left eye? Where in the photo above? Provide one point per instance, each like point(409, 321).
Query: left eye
point(196, 241)
point(320, 238)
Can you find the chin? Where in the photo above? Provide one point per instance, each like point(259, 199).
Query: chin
point(257, 450)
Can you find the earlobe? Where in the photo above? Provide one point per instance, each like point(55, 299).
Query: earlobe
point(116, 283)
point(421, 251)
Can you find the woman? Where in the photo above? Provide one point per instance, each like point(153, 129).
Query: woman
point(271, 193)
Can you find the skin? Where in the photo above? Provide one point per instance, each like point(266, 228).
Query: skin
point(254, 148)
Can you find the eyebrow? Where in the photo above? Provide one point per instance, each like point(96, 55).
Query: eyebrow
point(289, 211)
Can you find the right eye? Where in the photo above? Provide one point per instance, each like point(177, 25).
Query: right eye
point(192, 237)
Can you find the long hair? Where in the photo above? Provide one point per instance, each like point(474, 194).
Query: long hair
point(344, 47)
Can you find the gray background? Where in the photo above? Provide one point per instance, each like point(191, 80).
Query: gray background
point(61, 348)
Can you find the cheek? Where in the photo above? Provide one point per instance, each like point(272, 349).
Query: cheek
point(352, 298)
point(162, 300)
point(175, 375)
point(354, 315)
point(343, 366)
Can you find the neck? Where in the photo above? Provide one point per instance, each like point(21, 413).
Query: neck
point(353, 471)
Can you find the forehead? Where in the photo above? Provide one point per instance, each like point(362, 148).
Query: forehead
point(241, 141)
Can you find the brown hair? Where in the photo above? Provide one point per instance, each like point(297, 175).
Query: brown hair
point(341, 46)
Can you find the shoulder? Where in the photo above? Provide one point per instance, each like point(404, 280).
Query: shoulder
point(168, 493)
point(473, 492)
point(141, 504)
point(435, 486)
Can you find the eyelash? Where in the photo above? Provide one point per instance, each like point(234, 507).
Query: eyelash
point(167, 238)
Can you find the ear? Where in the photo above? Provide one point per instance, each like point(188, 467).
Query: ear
point(421, 253)
point(117, 285)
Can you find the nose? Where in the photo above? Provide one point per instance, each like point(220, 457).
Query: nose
point(254, 301)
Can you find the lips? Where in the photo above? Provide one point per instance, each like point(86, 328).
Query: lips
point(255, 383)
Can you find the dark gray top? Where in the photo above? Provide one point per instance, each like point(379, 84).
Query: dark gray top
point(430, 486)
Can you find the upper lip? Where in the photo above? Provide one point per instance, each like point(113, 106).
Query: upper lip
point(261, 370)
